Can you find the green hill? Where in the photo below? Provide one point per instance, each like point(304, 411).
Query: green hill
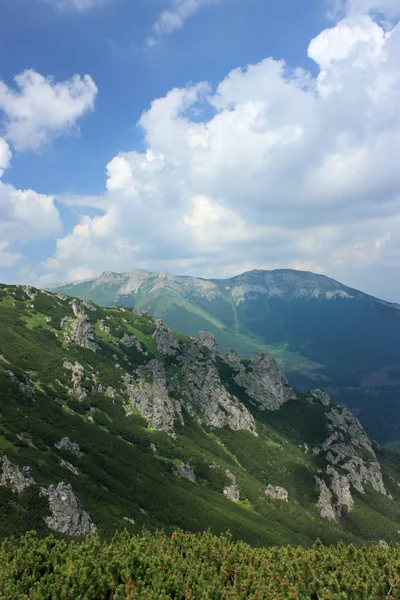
point(109, 420)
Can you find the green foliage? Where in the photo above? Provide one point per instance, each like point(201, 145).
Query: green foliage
point(186, 566)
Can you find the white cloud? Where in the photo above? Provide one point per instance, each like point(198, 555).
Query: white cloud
point(42, 109)
point(272, 168)
point(174, 18)
point(5, 156)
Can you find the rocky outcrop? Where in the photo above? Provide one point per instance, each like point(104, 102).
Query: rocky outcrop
point(80, 329)
point(166, 342)
point(351, 461)
point(207, 340)
point(25, 386)
point(277, 493)
point(131, 341)
point(207, 398)
point(69, 446)
point(77, 379)
point(325, 501)
point(266, 386)
point(67, 515)
point(233, 359)
point(232, 491)
point(11, 476)
point(185, 471)
point(104, 327)
point(149, 395)
point(320, 396)
point(67, 465)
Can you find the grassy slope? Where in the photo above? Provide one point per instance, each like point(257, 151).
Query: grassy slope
point(120, 475)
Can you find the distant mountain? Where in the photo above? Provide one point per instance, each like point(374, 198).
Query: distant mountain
point(321, 332)
point(110, 420)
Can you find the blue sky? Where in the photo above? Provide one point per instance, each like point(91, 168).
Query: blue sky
point(240, 167)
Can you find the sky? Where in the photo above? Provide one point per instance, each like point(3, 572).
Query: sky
point(200, 137)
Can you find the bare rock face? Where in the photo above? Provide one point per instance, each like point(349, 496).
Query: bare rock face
point(233, 359)
point(351, 459)
point(77, 378)
point(104, 327)
point(325, 501)
point(185, 471)
point(67, 465)
point(277, 493)
point(25, 386)
point(67, 514)
point(80, 329)
point(265, 384)
point(167, 344)
point(68, 446)
point(205, 391)
point(149, 394)
point(232, 491)
point(321, 396)
point(131, 341)
point(13, 477)
point(208, 340)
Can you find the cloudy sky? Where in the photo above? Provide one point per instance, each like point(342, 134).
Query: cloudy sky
point(202, 137)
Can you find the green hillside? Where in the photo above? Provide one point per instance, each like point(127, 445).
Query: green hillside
point(166, 431)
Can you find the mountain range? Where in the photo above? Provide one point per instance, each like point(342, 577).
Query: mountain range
point(321, 332)
point(111, 420)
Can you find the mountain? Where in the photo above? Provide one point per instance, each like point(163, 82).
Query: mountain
point(109, 419)
point(321, 332)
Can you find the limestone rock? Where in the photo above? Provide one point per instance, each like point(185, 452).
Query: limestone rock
point(185, 471)
point(76, 307)
point(67, 465)
point(277, 493)
point(131, 341)
point(233, 359)
point(351, 459)
point(149, 394)
point(77, 379)
point(325, 501)
point(90, 305)
point(104, 327)
point(321, 396)
point(167, 344)
point(68, 446)
point(232, 491)
point(208, 340)
point(67, 514)
point(25, 386)
point(13, 477)
point(81, 332)
point(205, 391)
point(265, 384)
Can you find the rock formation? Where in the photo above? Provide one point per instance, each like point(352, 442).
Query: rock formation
point(149, 395)
point(25, 386)
point(265, 384)
point(277, 493)
point(68, 446)
point(13, 477)
point(208, 340)
point(321, 396)
point(232, 491)
point(131, 341)
point(67, 515)
point(185, 471)
point(166, 342)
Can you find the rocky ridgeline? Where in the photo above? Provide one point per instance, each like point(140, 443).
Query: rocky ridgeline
point(351, 464)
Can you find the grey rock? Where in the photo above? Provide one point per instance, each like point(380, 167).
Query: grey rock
point(265, 384)
point(166, 342)
point(82, 333)
point(76, 307)
point(104, 327)
point(325, 501)
point(131, 341)
point(277, 493)
point(129, 519)
point(233, 360)
point(232, 491)
point(90, 305)
point(206, 397)
point(25, 386)
point(13, 477)
point(149, 395)
point(340, 486)
point(208, 340)
point(69, 446)
point(67, 465)
point(185, 471)
point(383, 544)
point(67, 514)
point(321, 396)
point(110, 392)
point(77, 379)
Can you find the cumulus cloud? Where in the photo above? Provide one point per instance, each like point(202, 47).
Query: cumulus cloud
point(5, 156)
point(174, 18)
point(41, 109)
point(272, 168)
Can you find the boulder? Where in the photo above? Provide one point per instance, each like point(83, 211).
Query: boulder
point(67, 515)
point(277, 493)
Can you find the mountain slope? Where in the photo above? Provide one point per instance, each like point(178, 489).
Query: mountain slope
point(108, 419)
point(320, 331)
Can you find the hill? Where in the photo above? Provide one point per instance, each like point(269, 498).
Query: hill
point(109, 420)
point(322, 332)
